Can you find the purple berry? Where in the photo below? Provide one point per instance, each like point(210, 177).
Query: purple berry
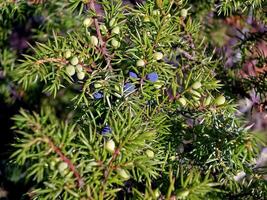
point(128, 88)
point(98, 95)
point(153, 77)
point(133, 75)
point(106, 130)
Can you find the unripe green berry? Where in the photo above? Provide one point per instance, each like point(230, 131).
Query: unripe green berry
point(112, 22)
point(117, 88)
point(74, 60)
point(52, 165)
point(123, 174)
point(146, 19)
point(157, 55)
point(94, 40)
point(79, 68)
point(110, 146)
point(115, 43)
point(103, 29)
point(70, 69)
point(62, 168)
point(183, 194)
point(182, 101)
point(184, 13)
point(140, 63)
point(220, 100)
point(97, 85)
point(116, 30)
point(156, 12)
point(207, 101)
point(150, 153)
point(196, 85)
point(195, 93)
point(156, 193)
point(87, 22)
point(80, 75)
point(158, 84)
point(67, 54)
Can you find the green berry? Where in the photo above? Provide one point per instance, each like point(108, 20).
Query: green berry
point(115, 43)
point(62, 168)
point(146, 19)
point(79, 68)
point(94, 40)
point(112, 22)
point(195, 93)
point(103, 29)
point(156, 12)
point(123, 174)
point(87, 22)
point(80, 75)
point(207, 101)
point(110, 146)
point(182, 101)
point(183, 194)
point(74, 60)
point(67, 54)
point(150, 153)
point(70, 69)
point(158, 56)
point(220, 100)
point(140, 63)
point(116, 30)
point(158, 84)
point(196, 85)
point(156, 193)
point(184, 13)
point(97, 85)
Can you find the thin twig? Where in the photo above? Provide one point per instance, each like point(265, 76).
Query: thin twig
point(103, 48)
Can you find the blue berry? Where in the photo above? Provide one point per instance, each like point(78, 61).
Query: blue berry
point(133, 75)
point(98, 95)
point(106, 130)
point(153, 77)
point(128, 88)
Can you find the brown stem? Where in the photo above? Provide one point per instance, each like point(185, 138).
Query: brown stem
point(64, 158)
point(103, 48)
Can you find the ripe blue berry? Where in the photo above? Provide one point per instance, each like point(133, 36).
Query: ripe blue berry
point(98, 95)
point(128, 88)
point(133, 75)
point(153, 77)
point(106, 130)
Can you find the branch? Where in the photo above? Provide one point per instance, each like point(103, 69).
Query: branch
point(103, 48)
point(58, 151)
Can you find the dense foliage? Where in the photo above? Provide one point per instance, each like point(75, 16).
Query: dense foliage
point(123, 101)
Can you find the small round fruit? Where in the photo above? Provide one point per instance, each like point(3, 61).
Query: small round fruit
point(87, 22)
point(62, 167)
point(110, 146)
point(207, 101)
point(182, 101)
point(140, 63)
point(70, 69)
point(150, 153)
point(153, 77)
point(156, 193)
point(156, 12)
point(80, 75)
point(74, 60)
point(98, 85)
point(183, 194)
point(67, 54)
point(158, 56)
point(79, 68)
point(94, 40)
point(184, 13)
point(158, 84)
point(112, 22)
point(220, 100)
point(196, 85)
point(116, 30)
point(115, 43)
point(103, 29)
point(146, 19)
point(123, 174)
point(195, 93)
